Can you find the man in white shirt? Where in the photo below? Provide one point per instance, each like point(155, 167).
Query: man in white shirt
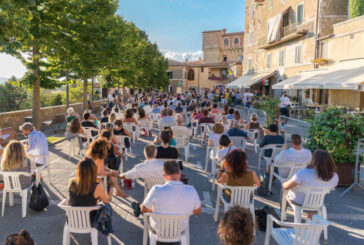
point(296, 153)
point(174, 197)
point(285, 104)
point(180, 129)
point(152, 168)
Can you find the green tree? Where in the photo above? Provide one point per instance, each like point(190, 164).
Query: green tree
point(13, 97)
point(356, 8)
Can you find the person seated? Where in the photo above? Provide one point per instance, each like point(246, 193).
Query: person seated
point(234, 172)
point(174, 197)
point(296, 153)
point(15, 159)
point(151, 168)
point(23, 238)
point(98, 152)
point(164, 113)
point(120, 130)
point(75, 130)
point(70, 115)
point(85, 190)
point(87, 123)
point(129, 117)
point(237, 227)
point(165, 151)
point(112, 118)
point(236, 131)
point(198, 114)
point(225, 147)
point(225, 111)
point(156, 109)
point(179, 108)
point(171, 105)
point(191, 106)
point(117, 112)
point(253, 124)
point(37, 143)
point(206, 118)
point(112, 150)
point(215, 134)
point(134, 107)
point(104, 116)
point(237, 119)
point(167, 118)
point(215, 110)
point(321, 174)
point(230, 114)
point(271, 137)
point(157, 140)
point(180, 129)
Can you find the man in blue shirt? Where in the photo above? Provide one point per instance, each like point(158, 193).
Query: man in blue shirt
point(38, 144)
point(236, 131)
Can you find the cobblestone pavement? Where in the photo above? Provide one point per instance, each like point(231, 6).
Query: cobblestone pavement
point(346, 214)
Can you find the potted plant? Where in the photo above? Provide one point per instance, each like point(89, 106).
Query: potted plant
point(320, 61)
point(338, 133)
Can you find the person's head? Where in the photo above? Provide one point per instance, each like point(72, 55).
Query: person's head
point(166, 137)
point(218, 128)
point(236, 124)
point(116, 109)
point(231, 111)
point(106, 134)
point(86, 176)
point(98, 149)
point(254, 117)
point(141, 113)
point(26, 128)
point(237, 115)
point(236, 162)
point(171, 171)
point(236, 227)
point(112, 117)
point(164, 112)
point(324, 164)
point(128, 113)
point(205, 112)
point(86, 116)
point(180, 120)
point(273, 129)
point(119, 123)
point(215, 106)
point(170, 112)
point(23, 238)
point(296, 141)
point(179, 104)
point(13, 156)
point(75, 126)
point(104, 113)
point(150, 152)
point(285, 94)
point(224, 140)
point(226, 108)
point(70, 111)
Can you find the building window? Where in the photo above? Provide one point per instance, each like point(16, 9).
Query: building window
point(250, 38)
point(250, 64)
point(224, 58)
point(286, 20)
point(270, 4)
point(236, 41)
point(226, 42)
point(267, 62)
point(282, 57)
point(251, 13)
point(202, 68)
point(300, 13)
point(170, 74)
point(191, 75)
point(240, 58)
point(298, 55)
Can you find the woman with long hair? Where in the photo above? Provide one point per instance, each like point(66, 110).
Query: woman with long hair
point(75, 130)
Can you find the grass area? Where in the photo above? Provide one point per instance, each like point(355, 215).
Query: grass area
point(52, 139)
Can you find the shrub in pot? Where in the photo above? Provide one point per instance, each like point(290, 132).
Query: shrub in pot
point(338, 133)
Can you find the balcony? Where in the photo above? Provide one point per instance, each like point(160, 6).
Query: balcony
point(288, 33)
point(218, 79)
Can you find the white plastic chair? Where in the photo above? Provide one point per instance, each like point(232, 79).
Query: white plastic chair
point(103, 125)
point(88, 133)
point(294, 167)
point(38, 169)
point(276, 149)
point(239, 142)
point(194, 125)
point(73, 145)
point(11, 186)
point(155, 118)
point(242, 196)
point(133, 129)
point(169, 229)
point(182, 142)
point(121, 140)
point(163, 125)
point(149, 183)
point(205, 129)
point(298, 234)
point(144, 124)
point(253, 135)
point(210, 155)
point(78, 221)
point(313, 201)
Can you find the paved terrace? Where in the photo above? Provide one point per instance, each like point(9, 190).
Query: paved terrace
point(346, 214)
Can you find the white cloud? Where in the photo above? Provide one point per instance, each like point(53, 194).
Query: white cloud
point(10, 66)
point(182, 56)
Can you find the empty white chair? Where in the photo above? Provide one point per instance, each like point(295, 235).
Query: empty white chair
point(242, 196)
point(121, 140)
point(239, 142)
point(313, 201)
point(205, 129)
point(168, 229)
point(11, 186)
point(149, 183)
point(298, 234)
point(276, 149)
point(293, 167)
point(253, 135)
point(155, 118)
point(182, 142)
point(38, 169)
point(78, 221)
point(194, 125)
point(133, 129)
point(210, 154)
point(88, 133)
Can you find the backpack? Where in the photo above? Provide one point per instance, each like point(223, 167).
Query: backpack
point(261, 216)
point(38, 199)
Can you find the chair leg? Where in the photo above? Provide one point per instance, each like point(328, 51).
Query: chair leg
point(94, 237)
point(324, 215)
point(271, 177)
point(216, 215)
point(11, 199)
point(207, 159)
point(24, 199)
point(3, 204)
point(297, 214)
point(145, 231)
point(284, 206)
point(66, 236)
point(108, 240)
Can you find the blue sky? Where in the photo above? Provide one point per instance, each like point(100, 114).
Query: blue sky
point(177, 25)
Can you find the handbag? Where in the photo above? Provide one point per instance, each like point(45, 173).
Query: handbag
point(261, 216)
point(38, 199)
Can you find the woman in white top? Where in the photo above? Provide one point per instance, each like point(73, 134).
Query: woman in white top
point(322, 174)
point(214, 137)
point(226, 146)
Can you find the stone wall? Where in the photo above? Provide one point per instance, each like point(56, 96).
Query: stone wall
point(16, 118)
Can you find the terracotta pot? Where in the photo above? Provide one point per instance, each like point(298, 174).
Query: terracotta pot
point(346, 173)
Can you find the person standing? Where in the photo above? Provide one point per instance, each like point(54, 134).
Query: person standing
point(285, 104)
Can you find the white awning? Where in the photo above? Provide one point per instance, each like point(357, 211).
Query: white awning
point(345, 75)
point(249, 80)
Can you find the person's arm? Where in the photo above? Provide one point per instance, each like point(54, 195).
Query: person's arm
point(81, 131)
point(197, 211)
point(247, 126)
point(211, 143)
point(100, 194)
point(127, 133)
point(115, 140)
point(256, 179)
point(290, 184)
point(148, 202)
point(223, 178)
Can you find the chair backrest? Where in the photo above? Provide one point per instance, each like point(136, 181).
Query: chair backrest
point(88, 131)
point(241, 195)
point(155, 116)
point(103, 125)
point(149, 183)
point(168, 227)
point(37, 158)
point(314, 196)
point(239, 141)
point(131, 127)
point(276, 149)
point(166, 124)
point(78, 218)
point(294, 167)
point(206, 127)
point(144, 123)
point(181, 140)
point(12, 180)
point(253, 133)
